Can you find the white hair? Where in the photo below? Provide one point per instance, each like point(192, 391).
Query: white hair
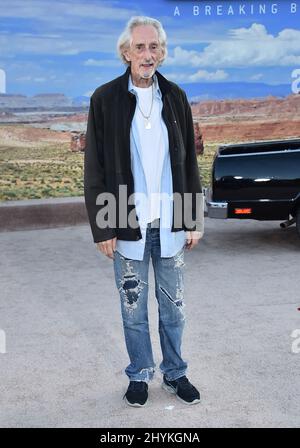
point(125, 39)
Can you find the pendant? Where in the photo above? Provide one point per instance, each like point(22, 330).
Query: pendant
point(147, 124)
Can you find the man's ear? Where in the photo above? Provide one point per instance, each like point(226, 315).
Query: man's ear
point(161, 57)
point(126, 55)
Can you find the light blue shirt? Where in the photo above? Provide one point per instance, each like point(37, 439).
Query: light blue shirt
point(143, 175)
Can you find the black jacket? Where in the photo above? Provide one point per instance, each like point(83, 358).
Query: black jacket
point(107, 161)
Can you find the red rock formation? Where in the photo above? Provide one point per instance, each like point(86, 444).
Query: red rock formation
point(268, 107)
point(248, 120)
point(198, 139)
point(77, 141)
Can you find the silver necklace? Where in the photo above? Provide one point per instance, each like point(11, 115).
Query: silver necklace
point(147, 122)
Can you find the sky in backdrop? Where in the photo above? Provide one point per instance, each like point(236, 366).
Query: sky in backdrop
point(69, 46)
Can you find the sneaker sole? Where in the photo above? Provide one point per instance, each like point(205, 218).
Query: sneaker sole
point(135, 405)
point(173, 391)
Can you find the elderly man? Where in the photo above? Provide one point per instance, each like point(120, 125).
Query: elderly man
point(140, 136)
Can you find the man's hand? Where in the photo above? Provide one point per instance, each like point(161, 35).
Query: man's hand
point(107, 247)
point(192, 238)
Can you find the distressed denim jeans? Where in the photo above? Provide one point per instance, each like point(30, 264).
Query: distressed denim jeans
point(132, 282)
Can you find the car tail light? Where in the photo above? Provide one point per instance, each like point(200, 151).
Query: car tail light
point(243, 211)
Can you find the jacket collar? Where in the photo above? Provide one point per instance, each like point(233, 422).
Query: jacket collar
point(164, 84)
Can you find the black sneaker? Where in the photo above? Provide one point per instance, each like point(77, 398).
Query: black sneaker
point(137, 393)
point(184, 390)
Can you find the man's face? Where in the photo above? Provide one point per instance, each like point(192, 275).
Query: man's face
point(145, 52)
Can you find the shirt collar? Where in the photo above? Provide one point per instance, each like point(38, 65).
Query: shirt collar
point(156, 90)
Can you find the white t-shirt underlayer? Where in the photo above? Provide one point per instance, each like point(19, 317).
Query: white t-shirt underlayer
point(152, 147)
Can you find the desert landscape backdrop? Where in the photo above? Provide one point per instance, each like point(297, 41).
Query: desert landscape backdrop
point(41, 148)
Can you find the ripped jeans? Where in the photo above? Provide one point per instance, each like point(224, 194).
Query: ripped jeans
point(132, 282)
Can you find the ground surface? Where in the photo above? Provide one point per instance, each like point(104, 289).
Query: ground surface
point(65, 351)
